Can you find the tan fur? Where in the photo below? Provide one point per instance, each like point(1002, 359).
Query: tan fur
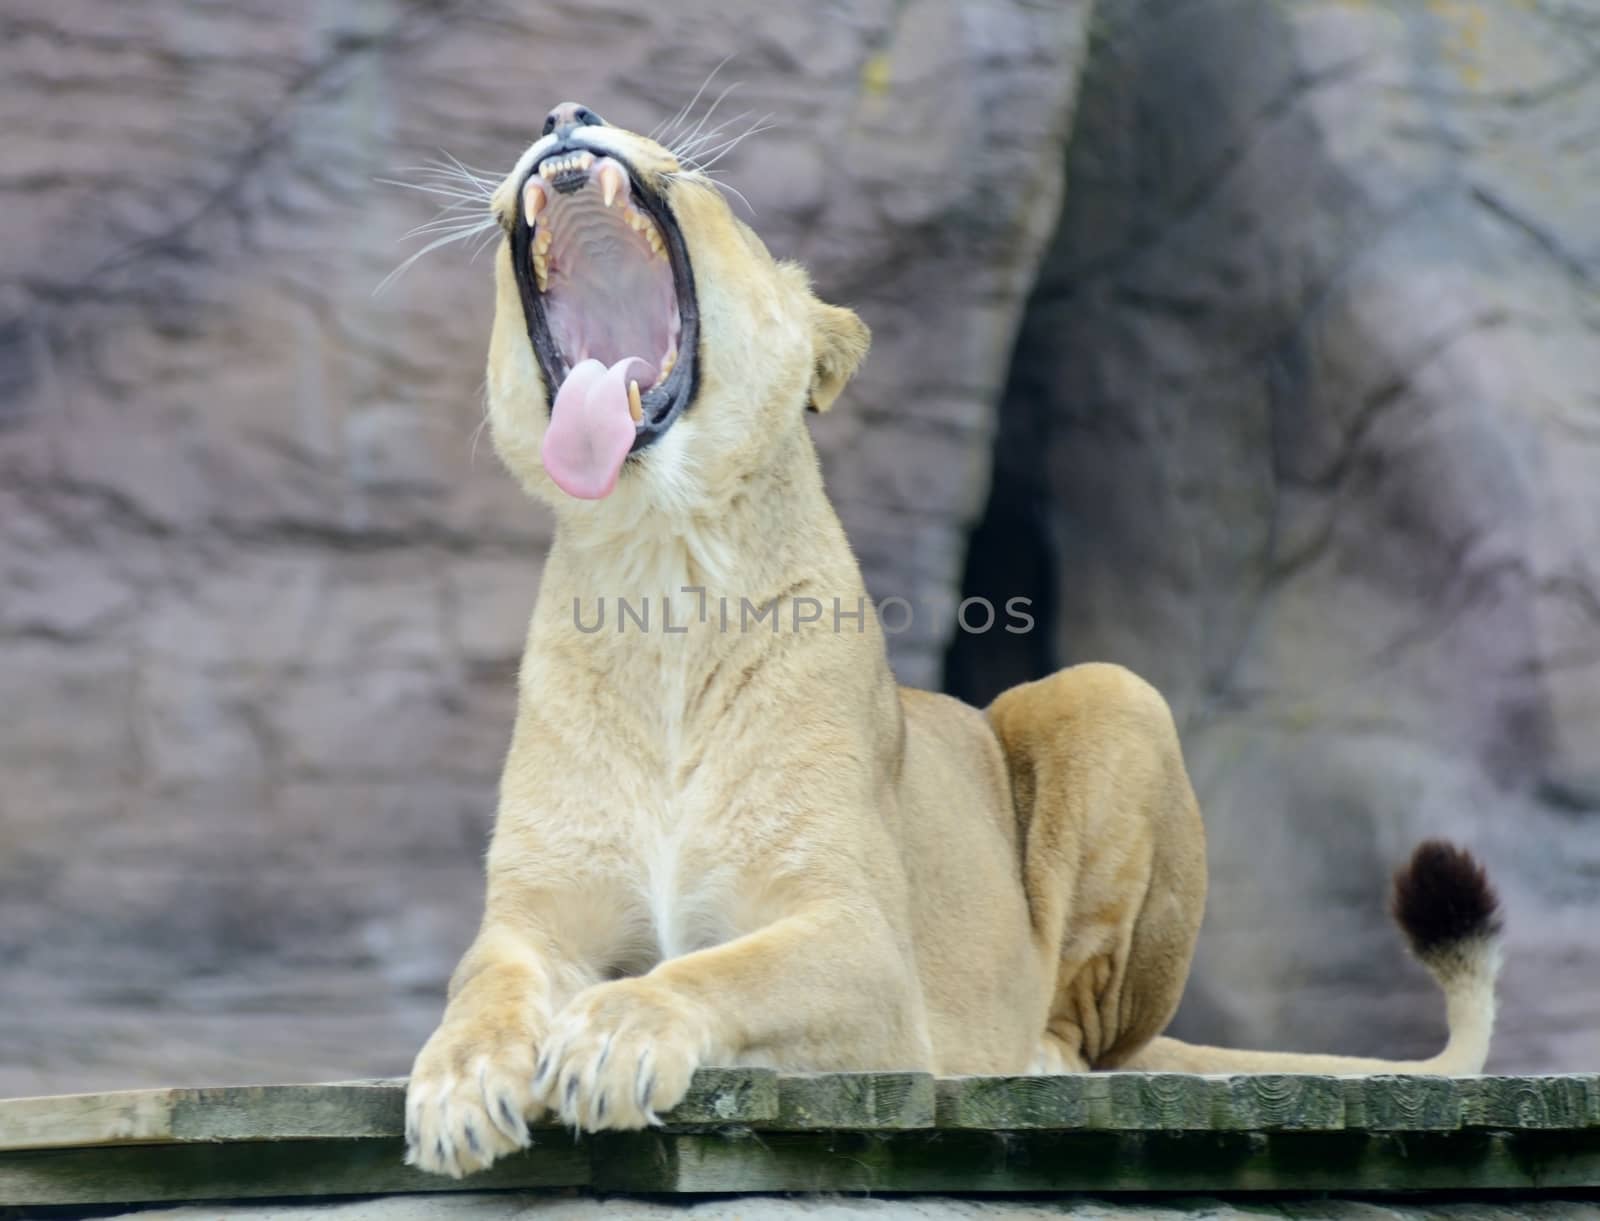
point(748, 847)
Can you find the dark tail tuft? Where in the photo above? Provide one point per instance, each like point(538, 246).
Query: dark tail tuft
point(1443, 899)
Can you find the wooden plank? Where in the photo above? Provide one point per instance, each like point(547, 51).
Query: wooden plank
point(1154, 1102)
point(745, 1160)
point(263, 1112)
point(1532, 1102)
point(343, 1111)
point(1277, 1102)
point(862, 1102)
point(86, 1119)
point(254, 1170)
point(289, 1112)
point(973, 1162)
point(728, 1096)
point(1405, 1104)
point(856, 1101)
point(1016, 1103)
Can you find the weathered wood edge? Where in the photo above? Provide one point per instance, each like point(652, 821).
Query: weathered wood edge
point(1104, 1162)
point(744, 1160)
point(762, 1099)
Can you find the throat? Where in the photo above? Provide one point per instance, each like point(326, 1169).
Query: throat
point(775, 531)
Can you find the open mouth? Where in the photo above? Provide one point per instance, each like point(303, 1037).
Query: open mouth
point(609, 300)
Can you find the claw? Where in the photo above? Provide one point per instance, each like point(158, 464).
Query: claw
point(645, 1091)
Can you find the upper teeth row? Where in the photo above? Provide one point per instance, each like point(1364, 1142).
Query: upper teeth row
point(550, 167)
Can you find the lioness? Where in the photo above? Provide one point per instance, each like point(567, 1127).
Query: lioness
point(735, 840)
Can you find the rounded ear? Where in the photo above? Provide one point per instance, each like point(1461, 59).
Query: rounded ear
point(840, 341)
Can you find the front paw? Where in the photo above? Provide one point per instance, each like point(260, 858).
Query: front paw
point(468, 1101)
point(619, 1053)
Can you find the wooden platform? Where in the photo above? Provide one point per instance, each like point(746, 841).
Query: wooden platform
point(751, 1130)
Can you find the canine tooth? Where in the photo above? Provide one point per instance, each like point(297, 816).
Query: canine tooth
point(635, 407)
point(534, 198)
point(610, 182)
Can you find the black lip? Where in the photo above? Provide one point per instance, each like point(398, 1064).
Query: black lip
point(664, 403)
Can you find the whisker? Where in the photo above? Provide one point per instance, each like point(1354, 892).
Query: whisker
point(455, 235)
point(484, 181)
point(472, 455)
point(716, 180)
point(710, 110)
point(658, 132)
point(447, 218)
point(687, 148)
point(463, 231)
point(718, 152)
point(728, 186)
point(434, 189)
point(489, 238)
point(462, 210)
point(452, 168)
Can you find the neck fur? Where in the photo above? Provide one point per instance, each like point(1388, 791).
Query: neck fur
point(765, 534)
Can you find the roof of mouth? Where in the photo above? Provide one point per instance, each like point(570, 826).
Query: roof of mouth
point(601, 263)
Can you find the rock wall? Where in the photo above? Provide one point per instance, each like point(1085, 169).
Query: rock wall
point(263, 589)
point(1303, 426)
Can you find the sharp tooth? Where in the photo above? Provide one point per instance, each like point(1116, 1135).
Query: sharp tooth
point(610, 182)
point(654, 239)
point(541, 271)
point(534, 197)
point(635, 408)
point(666, 366)
point(542, 240)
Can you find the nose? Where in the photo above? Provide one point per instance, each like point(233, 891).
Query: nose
point(568, 115)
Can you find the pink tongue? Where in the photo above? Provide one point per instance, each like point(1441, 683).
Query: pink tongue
point(591, 429)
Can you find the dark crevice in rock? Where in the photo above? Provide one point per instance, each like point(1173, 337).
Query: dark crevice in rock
point(1009, 556)
point(18, 373)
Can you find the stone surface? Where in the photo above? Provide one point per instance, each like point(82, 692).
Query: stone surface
point(914, 1208)
point(262, 589)
point(1304, 427)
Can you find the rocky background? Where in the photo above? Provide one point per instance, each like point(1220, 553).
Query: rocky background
point(1289, 401)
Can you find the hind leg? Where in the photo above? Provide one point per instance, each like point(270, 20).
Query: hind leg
point(1113, 856)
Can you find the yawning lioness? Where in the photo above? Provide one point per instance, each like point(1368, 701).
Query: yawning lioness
point(733, 839)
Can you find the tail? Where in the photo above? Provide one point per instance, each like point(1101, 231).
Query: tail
point(1450, 915)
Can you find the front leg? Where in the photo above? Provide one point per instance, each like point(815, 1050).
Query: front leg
point(469, 1099)
point(829, 987)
